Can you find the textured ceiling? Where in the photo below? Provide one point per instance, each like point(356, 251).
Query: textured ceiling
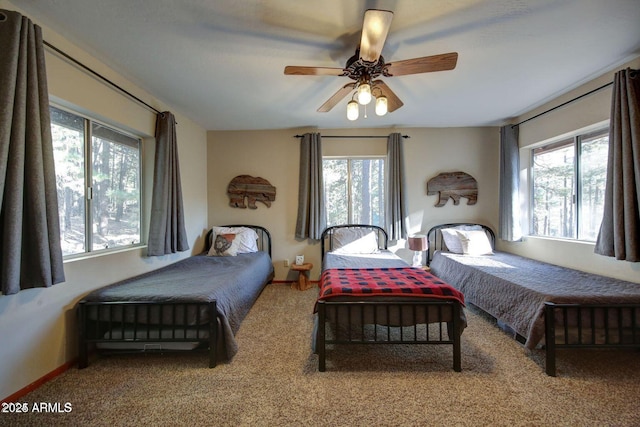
point(221, 62)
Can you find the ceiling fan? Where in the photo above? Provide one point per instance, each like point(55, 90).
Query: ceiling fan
point(367, 64)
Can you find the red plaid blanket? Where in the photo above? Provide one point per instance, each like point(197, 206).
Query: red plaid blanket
point(410, 282)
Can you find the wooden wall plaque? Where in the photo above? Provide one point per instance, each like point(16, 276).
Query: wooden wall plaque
point(453, 185)
point(253, 189)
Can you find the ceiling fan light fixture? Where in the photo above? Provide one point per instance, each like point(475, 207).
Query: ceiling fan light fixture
point(353, 110)
point(364, 93)
point(381, 105)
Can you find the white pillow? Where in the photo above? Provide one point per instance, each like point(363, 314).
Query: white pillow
point(475, 242)
point(248, 241)
point(224, 244)
point(355, 241)
point(245, 240)
point(452, 240)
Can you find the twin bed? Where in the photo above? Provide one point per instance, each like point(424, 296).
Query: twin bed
point(540, 302)
point(368, 295)
point(195, 303)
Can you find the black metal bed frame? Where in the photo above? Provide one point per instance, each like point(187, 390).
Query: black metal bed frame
point(357, 311)
point(389, 319)
point(99, 324)
point(597, 326)
point(98, 321)
point(571, 325)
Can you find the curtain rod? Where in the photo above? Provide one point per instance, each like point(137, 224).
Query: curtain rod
point(95, 73)
point(563, 104)
point(353, 136)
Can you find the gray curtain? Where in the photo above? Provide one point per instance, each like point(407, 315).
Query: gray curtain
point(312, 216)
point(509, 212)
point(619, 234)
point(166, 231)
point(396, 207)
point(29, 223)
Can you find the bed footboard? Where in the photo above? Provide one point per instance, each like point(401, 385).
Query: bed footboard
point(589, 326)
point(407, 322)
point(147, 326)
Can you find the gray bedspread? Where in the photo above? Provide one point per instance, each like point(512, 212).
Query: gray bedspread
point(382, 259)
point(513, 289)
point(233, 282)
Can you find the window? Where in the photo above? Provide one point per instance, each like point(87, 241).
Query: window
point(568, 179)
point(98, 184)
point(354, 190)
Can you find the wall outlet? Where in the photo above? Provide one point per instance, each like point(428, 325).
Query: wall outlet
point(286, 263)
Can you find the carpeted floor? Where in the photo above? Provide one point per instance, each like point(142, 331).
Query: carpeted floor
point(273, 381)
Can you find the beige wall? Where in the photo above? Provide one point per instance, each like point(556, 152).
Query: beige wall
point(274, 155)
point(37, 326)
point(585, 112)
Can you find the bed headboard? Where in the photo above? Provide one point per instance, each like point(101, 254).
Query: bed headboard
point(264, 237)
point(434, 237)
point(326, 239)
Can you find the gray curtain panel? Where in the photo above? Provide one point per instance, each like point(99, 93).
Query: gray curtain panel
point(509, 213)
point(396, 206)
point(29, 223)
point(166, 231)
point(619, 234)
point(312, 216)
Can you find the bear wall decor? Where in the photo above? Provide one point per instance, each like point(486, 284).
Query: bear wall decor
point(453, 185)
point(254, 189)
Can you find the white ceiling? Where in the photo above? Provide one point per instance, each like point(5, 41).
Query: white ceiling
point(221, 62)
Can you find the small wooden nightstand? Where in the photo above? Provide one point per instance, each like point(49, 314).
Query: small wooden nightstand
point(303, 282)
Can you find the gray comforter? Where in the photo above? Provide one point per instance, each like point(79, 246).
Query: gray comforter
point(382, 259)
point(233, 282)
point(513, 289)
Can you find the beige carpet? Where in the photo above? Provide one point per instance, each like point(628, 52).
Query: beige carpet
point(273, 381)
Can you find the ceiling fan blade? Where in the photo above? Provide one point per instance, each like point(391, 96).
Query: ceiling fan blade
point(426, 64)
point(313, 71)
point(393, 102)
point(374, 33)
point(337, 97)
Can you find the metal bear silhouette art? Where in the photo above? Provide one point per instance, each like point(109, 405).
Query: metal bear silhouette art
point(253, 189)
point(453, 185)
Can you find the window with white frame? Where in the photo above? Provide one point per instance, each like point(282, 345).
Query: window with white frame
point(98, 176)
point(354, 190)
point(568, 181)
